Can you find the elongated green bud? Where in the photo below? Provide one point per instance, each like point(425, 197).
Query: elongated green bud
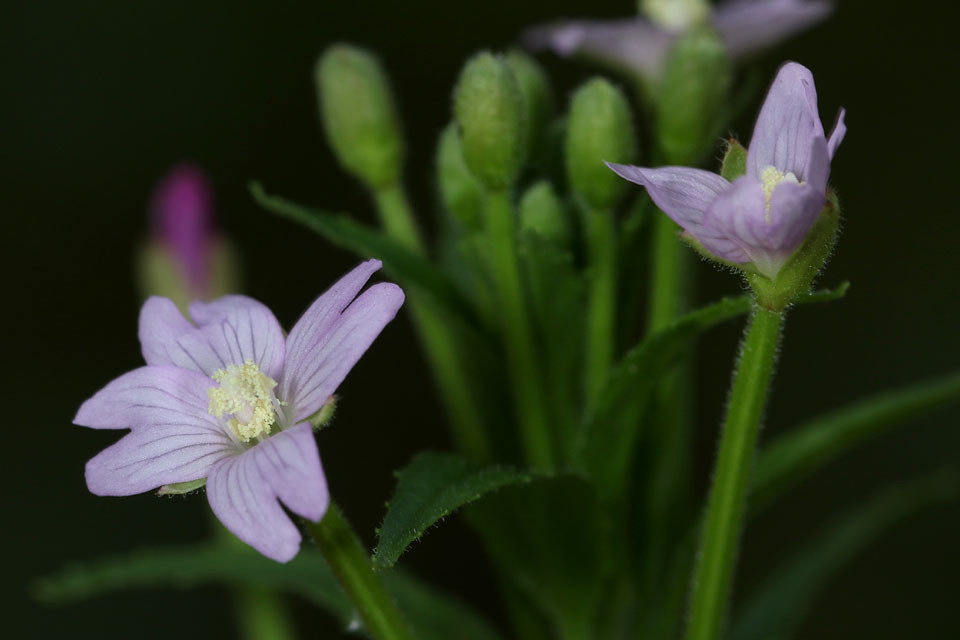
point(359, 115)
point(599, 129)
point(542, 212)
point(460, 192)
point(490, 115)
point(692, 96)
point(537, 97)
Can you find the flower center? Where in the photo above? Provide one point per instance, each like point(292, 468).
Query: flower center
point(769, 180)
point(675, 15)
point(245, 395)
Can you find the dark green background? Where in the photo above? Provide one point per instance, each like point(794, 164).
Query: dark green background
point(101, 98)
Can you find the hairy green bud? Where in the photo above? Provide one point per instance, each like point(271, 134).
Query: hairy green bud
point(599, 129)
point(359, 115)
point(490, 114)
point(692, 95)
point(460, 192)
point(542, 212)
point(537, 97)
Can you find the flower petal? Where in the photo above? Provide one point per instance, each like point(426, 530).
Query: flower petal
point(326, 351)
point(788, 129)
point(838, 134)
point(167, 338)
point(633, 45)
point(682, 193)
point(751, 25)
point(151, 397)
point(768, 239)
point(150, 457)
point(243, 491)
point(240, 329)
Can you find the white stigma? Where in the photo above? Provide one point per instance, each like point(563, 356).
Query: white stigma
point(675, 15)
point(245, 395)
point(769, 180)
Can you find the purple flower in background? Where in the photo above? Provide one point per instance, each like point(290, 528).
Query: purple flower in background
point(228, 399)
point(181, 212)
point(639, 47)
point(763, 216)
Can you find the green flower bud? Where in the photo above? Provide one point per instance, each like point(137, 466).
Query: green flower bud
point(460, 192)
point(734, 160)
point(542, 212)
point(599, 129)
point(675, 15)
point(692, 96)
point(490, 114)
point(359, 115)
point(796, 276)
point(537, 97)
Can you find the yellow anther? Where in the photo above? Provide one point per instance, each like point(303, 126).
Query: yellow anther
point(769, 179)
point(246, 395)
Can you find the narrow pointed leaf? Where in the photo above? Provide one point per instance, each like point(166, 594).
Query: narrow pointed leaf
point(799, 452)
point(399, 262)
point(431, 487)
point(436, 615)
point(777, 607)
point(612, 424)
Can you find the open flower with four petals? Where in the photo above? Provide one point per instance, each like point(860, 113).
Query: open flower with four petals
point(758, 220)
point(229, 397)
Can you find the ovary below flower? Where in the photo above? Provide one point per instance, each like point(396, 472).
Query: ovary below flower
point(229, 399)
point(762, 217)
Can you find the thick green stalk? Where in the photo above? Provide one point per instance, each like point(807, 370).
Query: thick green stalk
point(601, 312)
point(350, 563)
point(521, 353)
point(436, 335)
point(724, 519)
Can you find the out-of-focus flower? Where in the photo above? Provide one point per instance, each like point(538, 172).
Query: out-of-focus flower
point(181, 213)
point(762, 217)
point(639, 46)
point(229, 399)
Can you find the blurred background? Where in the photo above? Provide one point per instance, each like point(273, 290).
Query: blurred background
point(103, 98)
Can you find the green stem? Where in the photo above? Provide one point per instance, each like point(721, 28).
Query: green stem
point(436, 335)
point(601, 312)
point(725, 510)
point(397, 217)
point(668, 288)
point(521, 354)
point(350, 563)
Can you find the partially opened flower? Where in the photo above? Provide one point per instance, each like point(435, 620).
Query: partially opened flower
point(229, 399)
point(639, 46)
point(762, 217)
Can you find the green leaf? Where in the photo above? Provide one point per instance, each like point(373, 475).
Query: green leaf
point(431, 487)
point(776, 608)
point(612, 425)
point(399, 262)
point(436, 615)
point(801, 451)
point(551, 542)
point(306, 575)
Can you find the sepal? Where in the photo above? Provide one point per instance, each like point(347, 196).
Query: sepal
point(734, 162)
point(181, 488)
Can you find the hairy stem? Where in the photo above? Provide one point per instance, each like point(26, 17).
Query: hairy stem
point(601, 312)
point(518, 333)
point(350, 562)
point(724, 519)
